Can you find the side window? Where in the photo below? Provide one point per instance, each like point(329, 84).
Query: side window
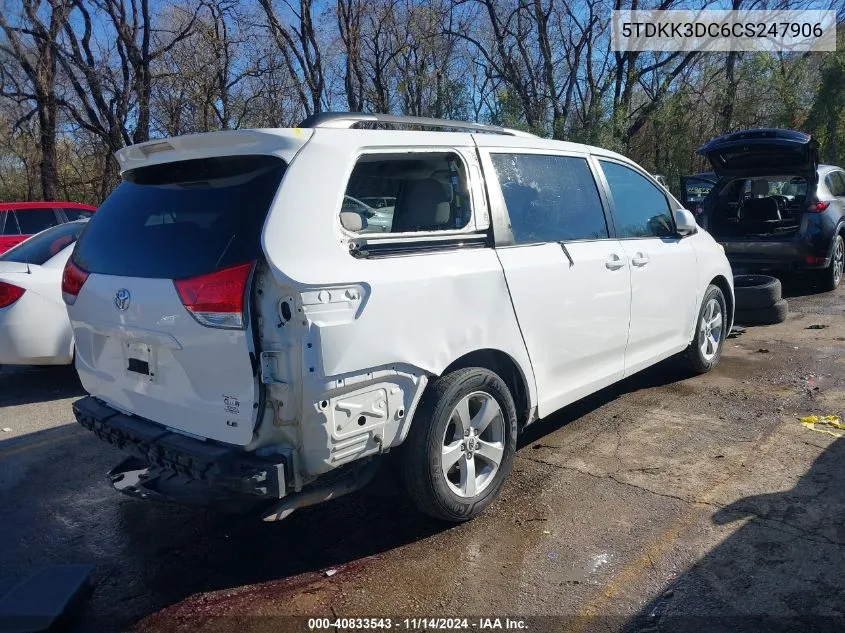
point(841, 175)
point(8, 223)
point(77, 214)
point(407, 193)
point(641, 209)
point(32, 221)
point(836, 183)
point(550, 198)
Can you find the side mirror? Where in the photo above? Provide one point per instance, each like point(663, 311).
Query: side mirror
point(685, 222)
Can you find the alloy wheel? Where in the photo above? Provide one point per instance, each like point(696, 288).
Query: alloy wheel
point(838, 260)
point(473, 444)
point(712, 322)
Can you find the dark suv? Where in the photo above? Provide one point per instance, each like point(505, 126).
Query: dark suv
point(773, 206)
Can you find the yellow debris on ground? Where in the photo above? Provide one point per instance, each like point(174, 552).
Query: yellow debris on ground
point(823, 424)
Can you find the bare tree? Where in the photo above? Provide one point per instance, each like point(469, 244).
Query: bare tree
point(32, 45)
point(300, 49)
point(112, 82)
point(349, 14)
point(79, 79)
point(202, 83)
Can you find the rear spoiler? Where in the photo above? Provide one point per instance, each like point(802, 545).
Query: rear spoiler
point(279, 142)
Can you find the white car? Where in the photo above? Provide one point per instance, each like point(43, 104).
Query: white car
point(34, 328)
point(373, 219)
point(244, 338)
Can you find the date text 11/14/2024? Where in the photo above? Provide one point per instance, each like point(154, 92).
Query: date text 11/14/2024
point(417, 624)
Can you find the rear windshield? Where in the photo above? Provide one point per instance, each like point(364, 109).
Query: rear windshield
point(182, 219)
point(39, 248)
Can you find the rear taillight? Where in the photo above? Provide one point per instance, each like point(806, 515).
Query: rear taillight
point(817, 207)
point(9, 294)
point(73, 278)
point(217, 299)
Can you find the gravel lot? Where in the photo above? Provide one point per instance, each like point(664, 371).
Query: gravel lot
point(659, 504)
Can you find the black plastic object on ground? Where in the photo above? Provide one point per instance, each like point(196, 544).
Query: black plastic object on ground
point(36, 603)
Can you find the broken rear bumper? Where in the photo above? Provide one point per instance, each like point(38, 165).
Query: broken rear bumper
point(172, 467)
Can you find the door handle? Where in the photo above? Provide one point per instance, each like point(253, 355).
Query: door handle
point(614, 262)
point(639, 260)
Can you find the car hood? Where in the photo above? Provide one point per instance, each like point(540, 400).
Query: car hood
point(763, 152)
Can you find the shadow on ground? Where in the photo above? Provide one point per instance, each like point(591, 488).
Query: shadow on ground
point(57, 507)
point(659, 375)
point(800, 284)
point(783, 569)
point(25, 385)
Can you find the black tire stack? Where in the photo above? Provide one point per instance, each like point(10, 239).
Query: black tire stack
point(759, 300)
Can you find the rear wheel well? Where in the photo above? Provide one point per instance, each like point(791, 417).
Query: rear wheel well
point(506, 368)
point(723, 285)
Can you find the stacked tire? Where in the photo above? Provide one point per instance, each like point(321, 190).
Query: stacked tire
point(759, 300)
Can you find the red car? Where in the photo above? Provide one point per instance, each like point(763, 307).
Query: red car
point(19, 220)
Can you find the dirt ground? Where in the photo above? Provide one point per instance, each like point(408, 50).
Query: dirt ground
point(664, 503)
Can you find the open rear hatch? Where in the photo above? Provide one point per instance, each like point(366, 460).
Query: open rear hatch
point(764, 177)
point(762, 152)
point(158, 292)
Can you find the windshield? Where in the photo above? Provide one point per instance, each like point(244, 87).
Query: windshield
point(697, 189)
point(182, 219)
point(41, 247)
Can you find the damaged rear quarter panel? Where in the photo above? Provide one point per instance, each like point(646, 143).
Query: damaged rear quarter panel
point(381, 326)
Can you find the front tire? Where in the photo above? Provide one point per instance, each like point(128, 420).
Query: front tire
point(705, 350)
point(461, 445)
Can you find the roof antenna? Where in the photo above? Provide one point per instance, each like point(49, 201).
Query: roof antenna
point(568, 256)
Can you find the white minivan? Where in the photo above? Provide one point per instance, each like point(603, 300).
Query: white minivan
point(248, 337)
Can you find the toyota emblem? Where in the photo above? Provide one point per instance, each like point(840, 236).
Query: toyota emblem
point(121, 299)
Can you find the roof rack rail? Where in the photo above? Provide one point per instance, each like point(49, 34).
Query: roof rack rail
point(352, 119)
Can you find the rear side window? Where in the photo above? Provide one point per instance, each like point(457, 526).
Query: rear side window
point(550, 198)
point(32, 221)
point(835, 183)
point(39, 248)
point(404, 193)
point(182, 219)
point(8, 223)
point(640, 207)
point(77, 214)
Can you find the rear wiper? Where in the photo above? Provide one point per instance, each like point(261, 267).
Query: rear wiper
point(226, 248)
